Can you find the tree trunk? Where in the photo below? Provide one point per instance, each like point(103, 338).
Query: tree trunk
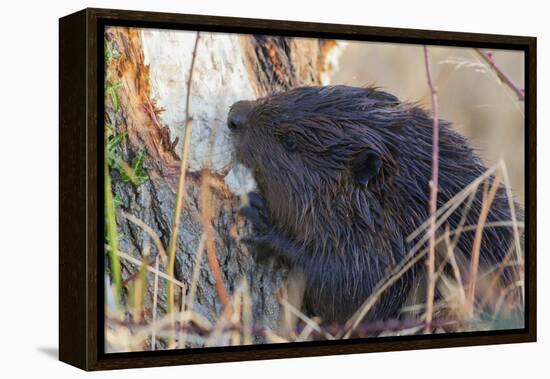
point(148, 70)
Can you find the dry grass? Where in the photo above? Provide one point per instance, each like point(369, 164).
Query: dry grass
point(470, 305)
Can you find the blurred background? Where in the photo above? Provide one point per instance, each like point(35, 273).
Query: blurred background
point(470, 94)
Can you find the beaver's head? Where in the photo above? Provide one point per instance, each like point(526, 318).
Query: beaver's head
point(315, 138)
point(319, 145)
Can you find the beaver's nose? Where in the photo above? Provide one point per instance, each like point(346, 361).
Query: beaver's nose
point(238, 114)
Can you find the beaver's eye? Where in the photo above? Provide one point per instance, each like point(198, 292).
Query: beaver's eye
point(290, 142)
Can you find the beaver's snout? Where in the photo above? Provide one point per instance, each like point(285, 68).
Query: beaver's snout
point(238, 114)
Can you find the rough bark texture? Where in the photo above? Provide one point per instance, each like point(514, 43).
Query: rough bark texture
point(151, 69)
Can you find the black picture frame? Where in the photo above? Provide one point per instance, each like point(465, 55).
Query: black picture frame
point(81, 203)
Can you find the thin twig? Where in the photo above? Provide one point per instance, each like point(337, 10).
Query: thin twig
point(181, 184)
point(433, 193)
point(137, 262)
point(152, 234)
point(487, 56)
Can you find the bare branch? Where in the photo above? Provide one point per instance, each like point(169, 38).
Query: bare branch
point(433, 194)
point(487, 56)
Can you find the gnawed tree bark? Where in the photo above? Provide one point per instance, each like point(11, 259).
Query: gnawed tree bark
point(150, 71)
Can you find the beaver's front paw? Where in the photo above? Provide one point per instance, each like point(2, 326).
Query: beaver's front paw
point(257, 214)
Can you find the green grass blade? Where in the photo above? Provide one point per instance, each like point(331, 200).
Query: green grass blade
point(112, 234)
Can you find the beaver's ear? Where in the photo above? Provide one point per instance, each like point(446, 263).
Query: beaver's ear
point(366, 166)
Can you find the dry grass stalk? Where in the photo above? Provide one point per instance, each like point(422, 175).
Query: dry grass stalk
point(476, 248)
point(447, 209)
point(155, 304)
point(181, 184)
point(450, 206)
point(188, 305)
point(163, 327)
point(225, 319)
point(452, 259)
point(503, 294)
point(138, 263)
point(510, 196)
point(207, 215)
point(499, 272)
point(409, 261)
point(140, 286)
point(235, 318)
point(247, 317)
point(311, 324)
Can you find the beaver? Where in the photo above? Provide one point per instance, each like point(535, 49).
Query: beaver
point(344, 178)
